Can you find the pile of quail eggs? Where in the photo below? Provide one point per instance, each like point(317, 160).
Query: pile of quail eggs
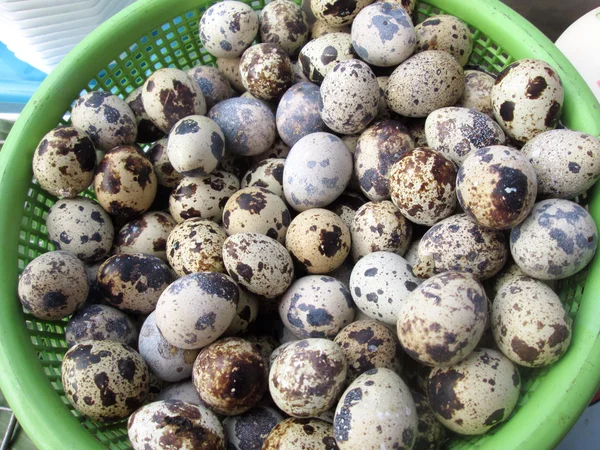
point(346, 242)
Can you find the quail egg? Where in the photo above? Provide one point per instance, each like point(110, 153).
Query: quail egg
point(408, 5)
point(101, 323)
point(248, 431)
point(166, 175)
point(478, 92)
point(245, 314)
point(298, 112)
point(346, 206)
point(320, 56)
point(184, 391)
point(416, 129)
point(213, 84)
point(337, 12)
point(147, 234)
point(230, 68)
point(266, 71)
point(446, 33)
point(267, 174)
point(279, 149)
point(305, 434)
point(430, 433)
point(147, 132)
point(283, 22)
point(320, 28)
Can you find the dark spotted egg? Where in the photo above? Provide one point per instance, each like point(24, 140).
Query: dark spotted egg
point(430, 432)
point(298, 112)
point(245, 314)
point(283, 22)
point(446, 33)
point(320, 28)
point(147, 234)
point(346, 206)
point(101, 323)
point(215, 87)
point(319, 56)
point(337, 12)
point(266, 71)
point(478, 92)
point(147, 132)
point(307, 434)
point(248, 431)
point(267, 174)
point(166, 175)
point(230, 68)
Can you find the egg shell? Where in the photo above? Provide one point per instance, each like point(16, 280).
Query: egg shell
point(346, 206)
point(283, 22)
point(104, 380)
point(478, 92)
point(267, 174)
point(446, 33)
point(471, 397)
point(101, 323)
point(298, 112)
point(230, 69)
point(148, 234)
point(248, 431)
point(184, 391)
point(425, 82)
point(279, 149)
point(80, 226)
point(213, 84)
point(320, 28)
point(307, 377)
point(147, 132)
point(430, 433)
point(307, 434)
point(266, 71)
point(376, 411)
point(555, 241)
point(337, 12)
point(245, 314)
point(175, 424)
point(166, 175)
point(319, 56)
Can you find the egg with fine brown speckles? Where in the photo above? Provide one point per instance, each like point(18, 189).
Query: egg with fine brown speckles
point(147, 234)
point(147, 132)
point(319, 56)
point(266, 71)
point(165, 173)
point(213, 84)
point(267, 174)
point(307, 434)
point(478, 92)
point(447, 33)
point(284, 23)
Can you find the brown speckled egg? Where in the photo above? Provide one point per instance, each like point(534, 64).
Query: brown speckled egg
point(196, 309)
point(377, 149)
point(446, 33)
point(337, 12)
point(147, 234)
point(430, 432)
point(106, 118)
point(230, 376)
point(279, 149)
point(215, 87)
point(476, 394)
point(478, 92)
point(305, 434)
point(267, 174)
point(259, 263)
point(248, 431)
point(527, 98)
point(104, 380)
point(496, 186)
point(319, 240)
point(425, 82)
point(350, 97)
point(422, 186)
point(230, 68)
point(379, 226)
point(376, 412)
point(320, 28)
point(245, 314)
point(307, 377)
point(319, 56)
point(165, 173)
point(442, 320)
point(64, 161)
point(146, 130)
point(266, 71)
point(283, 22)
point(346, 206)
point(298, 112)
point(80, 226)
point(195, 246)
point(125, 183)
point(101, 323)
point(53, 285)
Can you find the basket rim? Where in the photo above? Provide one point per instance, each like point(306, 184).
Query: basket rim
point(541, 423)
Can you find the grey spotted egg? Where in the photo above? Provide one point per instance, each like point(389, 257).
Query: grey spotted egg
point(446, 33)
point(166, 361)
point(202, 197)
point(307, 377)
point(256, 210)
point(146, 234)
point(442, 320)
point(125, 183)
point(82, 227)
point(320, 28)
point(485, 389)
point(228, 28)
point(307, 434)
point(298, 112)
point(259, 263)
point(147, 132)
point(230, 68)
point(337, 12)
point(346, 206)
point(101, 323)
point(555, 241)
point(316, 306)
point(195, 246)
point(380, 283)
point(166, 175)
point(133, 282)
point(184, 391)
point(267, 174)
point(496, 186)
point(408, 5)
point(53, 286)
point(383, 34)
point(416, 129)
point(170, 95)
point(248, 431)
point(375, 412)
point(379, 226)
point(316, 171)
point(196, 309)
point(422, 186)
point(377, 149)
point(248, 125)
point(319, 240)
point(196, 145)
point(319, 56)
point(64, 161)
point(279, 149)
point(430, 432)
point(175, 424)
point(107, 119)
point(245, 314)
point(213, 84)
point(266, 71)
point(566, 162)
point(527, 99)
point(104, 380)
point(367, 344)
point(457, 243)
point(425, 82)
point(350, 97)
point(478, 92)
point(529, 322)
point(457, 132)
point(283, 22)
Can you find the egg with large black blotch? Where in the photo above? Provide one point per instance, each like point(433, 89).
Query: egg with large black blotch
point(318, 57)
point(248, 431)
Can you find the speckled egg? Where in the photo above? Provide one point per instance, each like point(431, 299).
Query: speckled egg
point(337, 12)
point(184, 391)
point(346, 206)
point(230, 68)
point(555, 241)
point(425, 82)
point(147, 132)
point(379, 226)
point(496, 186)
point(478, 92)
point(305, 434)
point(377, 149)
point(248, 431)
point(383, 111)
point(175, 424)
point(245, 314)
point(64, 161)
point(476, 394)
point(147, 234)
point(266, 71)
point(446, 33)
point(53, 286)
point(279, 149)
point(319, 56)
point(259, 263)
point(228, 28)
point(298, 112)
point(376, 411)
point(213, 84)
point(195, 246)
point(430, 432)
point(307, 377)
point(267, 174)
point(166, 175)
point(283, 22)
point(383, 34)
point(104, 380)
point(80, 226)
point(316, 171)
point(527, 98)
point(320, 28)
point(101, 323)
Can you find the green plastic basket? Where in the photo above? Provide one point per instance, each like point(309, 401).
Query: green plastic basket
point(117, 57)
